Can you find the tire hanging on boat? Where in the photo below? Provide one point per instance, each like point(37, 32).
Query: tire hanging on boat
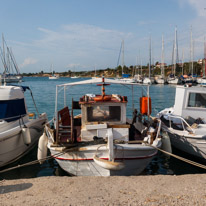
point(42, 148)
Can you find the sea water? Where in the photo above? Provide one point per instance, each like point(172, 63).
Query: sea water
point(44, 93)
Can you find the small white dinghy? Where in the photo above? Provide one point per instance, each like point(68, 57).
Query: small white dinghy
point(100, 140)
point(19, 129)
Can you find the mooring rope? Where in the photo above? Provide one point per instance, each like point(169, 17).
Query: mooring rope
point(33, 162)
point(181, 158)
point(63, 152)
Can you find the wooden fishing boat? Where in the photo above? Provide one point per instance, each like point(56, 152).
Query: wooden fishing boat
point(101, 140)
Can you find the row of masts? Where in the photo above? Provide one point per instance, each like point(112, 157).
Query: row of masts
point(11, 70)
point(175, 57)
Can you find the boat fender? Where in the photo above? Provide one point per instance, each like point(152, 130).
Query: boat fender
point(166, 144)
point(26, 135)
point(42, 148)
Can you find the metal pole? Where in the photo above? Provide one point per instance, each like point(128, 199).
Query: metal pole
point(64, 96)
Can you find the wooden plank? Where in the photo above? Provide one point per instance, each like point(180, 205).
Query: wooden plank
point(119, 126)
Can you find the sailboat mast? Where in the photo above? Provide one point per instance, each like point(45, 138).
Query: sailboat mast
point(175, 51)
point(205, 56)
point(191, 51)
point(150, 57)
point(162, 58)
point(122, 56)
point(182, 61)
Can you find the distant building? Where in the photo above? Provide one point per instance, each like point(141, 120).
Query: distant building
point(159, 65)
point(200, 61)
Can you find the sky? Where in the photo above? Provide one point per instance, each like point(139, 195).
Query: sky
point(81, 35)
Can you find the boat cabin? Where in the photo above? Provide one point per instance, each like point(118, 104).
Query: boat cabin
point(102, 112)
point(190, 101)
point(11, 98)
point(98, 113)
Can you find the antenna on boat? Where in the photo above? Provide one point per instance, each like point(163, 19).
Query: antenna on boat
point(103, 84)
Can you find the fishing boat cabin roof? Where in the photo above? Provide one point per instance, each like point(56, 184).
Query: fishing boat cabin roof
point(98, 109)
point(190, 101)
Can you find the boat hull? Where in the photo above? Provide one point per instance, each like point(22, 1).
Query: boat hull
point(12, 146)
point(79, 162)
point(191, 145)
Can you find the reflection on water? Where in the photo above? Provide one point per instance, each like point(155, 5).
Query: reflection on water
point(44, 94)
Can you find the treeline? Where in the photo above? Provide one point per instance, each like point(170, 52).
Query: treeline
point(132, 70)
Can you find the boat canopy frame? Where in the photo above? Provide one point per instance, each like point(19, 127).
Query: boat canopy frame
point(61, 87)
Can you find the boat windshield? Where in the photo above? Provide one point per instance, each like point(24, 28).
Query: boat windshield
point(11, 110)
point(197, 100)
point(103, 113)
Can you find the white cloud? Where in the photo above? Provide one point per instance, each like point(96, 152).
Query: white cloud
point(199, 6)
point(28, 61)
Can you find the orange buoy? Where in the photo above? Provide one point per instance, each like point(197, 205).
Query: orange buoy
point(144, 106)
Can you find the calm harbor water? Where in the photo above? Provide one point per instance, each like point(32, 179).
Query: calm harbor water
point(44, 94)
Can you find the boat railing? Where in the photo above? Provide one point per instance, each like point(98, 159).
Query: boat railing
point(183, 122)
point(8, 119)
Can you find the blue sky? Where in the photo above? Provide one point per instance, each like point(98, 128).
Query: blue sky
point(79, 34)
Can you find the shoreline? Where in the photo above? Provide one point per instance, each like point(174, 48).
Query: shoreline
point(133, 190)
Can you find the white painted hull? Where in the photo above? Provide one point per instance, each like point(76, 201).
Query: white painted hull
point(160, 81)
point(189, 144)
point(201, 81)
point(12, 146)
point(54, 77)
point(80, 162)
point(128, 80)
point(147, 81)
point(172, 81)
point(11, 80)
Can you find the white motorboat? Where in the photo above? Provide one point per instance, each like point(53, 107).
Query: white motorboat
point(159, 80)
point(128, 80)
point(19, 129)
point(201, 80)
point(138, 78)
point(172, 80)
point(185, 121)
point(53, 77)
point(100, 141)
point(147, 80)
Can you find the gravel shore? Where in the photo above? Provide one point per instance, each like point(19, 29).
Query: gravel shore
point(134, 190)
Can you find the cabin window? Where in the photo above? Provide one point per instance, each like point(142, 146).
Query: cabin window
point(11, 110)
point(103, 113)
point(197, 100)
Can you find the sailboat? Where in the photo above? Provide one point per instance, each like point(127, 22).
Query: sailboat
point(138, 77)
point(74, 77)
point(53, 76)
point(160, 79)
point(125, 77)
point(190, 79)
point(202, 80)
point(95, 73)
point(147, 80)
point(11, 72)
point(172, 79)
